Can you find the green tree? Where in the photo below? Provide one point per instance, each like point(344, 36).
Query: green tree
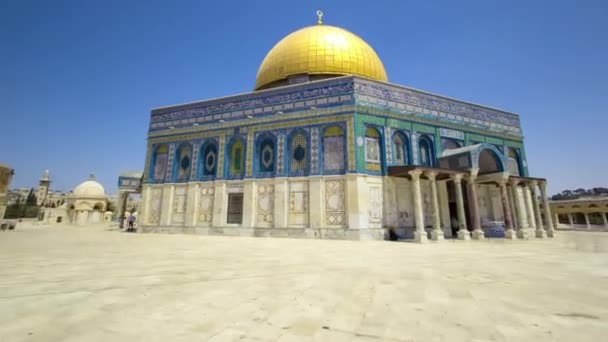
point(31, 198)
point(110, 206)
point(14, 211)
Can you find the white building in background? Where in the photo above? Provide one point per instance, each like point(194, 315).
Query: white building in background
point(87, 204)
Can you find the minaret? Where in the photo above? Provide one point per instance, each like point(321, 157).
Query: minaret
point(43, 189)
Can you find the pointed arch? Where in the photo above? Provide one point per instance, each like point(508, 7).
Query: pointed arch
point(401, 149)
point(235, 159)
point(298, 147)
point(207, 167)
point(426, 152)
point(333, 149)
point(373, 149)
point(266, 154)
point(158, 163)
point(183, 162)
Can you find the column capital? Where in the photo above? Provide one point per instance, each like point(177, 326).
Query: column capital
point(543, 185)
point(533, 184)
point(415, 174)
point(513, 181)
point(431, 175)
point(457, 178)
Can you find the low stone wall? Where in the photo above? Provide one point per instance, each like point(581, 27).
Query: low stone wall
point(300, 233)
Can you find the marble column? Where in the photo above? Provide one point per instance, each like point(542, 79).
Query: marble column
point(420, 233)
point(570, 220)
point(543, 194)
point(122, 207)
point(521, 233)
point(555, 220)
point(604, 219)
point(540, 231)
point(436, 233)
point(463, 233)
point(506, 207)
point(587, 220)
point(477, 233)
point(513, 209)
point(529, 206)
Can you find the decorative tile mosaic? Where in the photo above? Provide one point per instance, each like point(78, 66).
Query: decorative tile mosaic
point(169, 170)
point(414, 141)
point(195, 156)
point(280, 154)
point(314, 150)
point(221, 152)
point(238, 105)
point(249, 164)
point(387, 143)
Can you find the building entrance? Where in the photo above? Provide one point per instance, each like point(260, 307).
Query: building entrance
point(235, 208)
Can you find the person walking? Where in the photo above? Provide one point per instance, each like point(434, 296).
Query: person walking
point(131, 221)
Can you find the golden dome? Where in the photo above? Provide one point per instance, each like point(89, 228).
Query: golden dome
point(319, 50)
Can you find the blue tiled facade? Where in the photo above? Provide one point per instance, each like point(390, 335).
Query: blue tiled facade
point(346, 104)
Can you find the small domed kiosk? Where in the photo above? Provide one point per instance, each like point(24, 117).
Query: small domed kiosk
point(88, 203)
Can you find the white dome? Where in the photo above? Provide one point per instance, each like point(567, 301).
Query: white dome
point(89, 188)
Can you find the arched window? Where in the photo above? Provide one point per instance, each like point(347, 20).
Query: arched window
point(400, 149)
point(237, 158)
point(208, 160)
point(514, 164)
point(183, 162)
point(425, 151)
point(373, 152)
point(298, 158)
point(333, 149)
point(266, 154)
point(159, 162)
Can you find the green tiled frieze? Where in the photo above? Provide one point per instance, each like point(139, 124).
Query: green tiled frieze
point(423, 129)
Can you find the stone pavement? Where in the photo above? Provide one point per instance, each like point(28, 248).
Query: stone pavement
point(98, 284)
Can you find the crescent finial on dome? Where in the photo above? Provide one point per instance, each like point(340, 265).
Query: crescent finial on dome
point(320, 17)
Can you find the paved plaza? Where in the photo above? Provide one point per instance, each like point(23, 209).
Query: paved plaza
point(99, 284)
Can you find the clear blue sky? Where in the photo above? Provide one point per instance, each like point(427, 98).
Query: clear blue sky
point(78, 78)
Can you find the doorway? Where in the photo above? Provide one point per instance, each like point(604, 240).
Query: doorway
point(235, 208)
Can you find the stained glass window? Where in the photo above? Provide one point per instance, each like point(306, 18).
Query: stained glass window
point(399, 150)
point(160, 163)
point(333, 149)
point(266, 155)
point(209, 160)
point(184, 158)
point(237, 155)
point(372, 149)
point(425, 147)
point(298, 156)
